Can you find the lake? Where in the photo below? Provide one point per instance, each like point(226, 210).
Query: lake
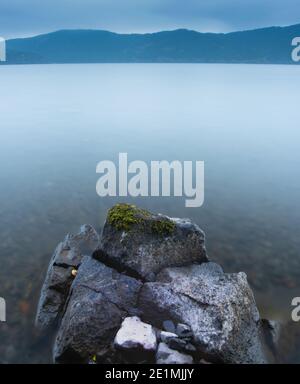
point(58, 121)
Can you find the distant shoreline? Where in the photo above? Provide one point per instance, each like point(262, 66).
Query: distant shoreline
point(147, 63)
point(271, 45)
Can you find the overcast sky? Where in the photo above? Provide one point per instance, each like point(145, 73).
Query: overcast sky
point(30, 17)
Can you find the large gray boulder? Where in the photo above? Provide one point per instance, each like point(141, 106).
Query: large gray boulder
point(61, 271)
point(142, 243)
point(219, 308)
point(100, 299)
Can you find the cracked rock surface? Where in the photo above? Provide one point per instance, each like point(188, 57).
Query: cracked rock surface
point(67, 256)
point(219, 308)
point(138, 283)
point(100, 299)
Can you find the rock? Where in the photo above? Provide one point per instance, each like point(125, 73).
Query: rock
point(67, 256)
point(166, 355)
point(106, 355)
point(136, 335)
point(154, 268)
point(180, 345)
point(272, 331)
point(165, 336)
point(219, 308)
point(177, 344)
point(289, 343)
point(203, 361)
point(184, 331)
point(190, 348)
point(87, 239)
point(99, 301)
point(169, 326)
point(141, 243)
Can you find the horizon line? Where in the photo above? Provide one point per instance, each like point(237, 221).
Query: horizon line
point(150, 33)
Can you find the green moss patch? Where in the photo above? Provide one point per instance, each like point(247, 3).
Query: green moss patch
point(126, 217)
point(163, 227)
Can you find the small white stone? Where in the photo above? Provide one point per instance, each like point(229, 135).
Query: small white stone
point(74, 272)
point(135, 334)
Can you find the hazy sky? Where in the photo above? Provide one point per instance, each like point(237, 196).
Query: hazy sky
point(28, 17)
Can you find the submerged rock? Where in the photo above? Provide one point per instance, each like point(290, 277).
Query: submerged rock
point(142, 244)
point(272, 332)
point(67, 257)
point(219, 308)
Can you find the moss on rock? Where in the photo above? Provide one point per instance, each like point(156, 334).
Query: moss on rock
point(126, 217)
point(163, 226)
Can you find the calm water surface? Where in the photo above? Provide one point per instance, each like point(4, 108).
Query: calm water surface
point(57, 122)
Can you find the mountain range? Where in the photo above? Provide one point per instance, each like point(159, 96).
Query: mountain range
point(271, 45)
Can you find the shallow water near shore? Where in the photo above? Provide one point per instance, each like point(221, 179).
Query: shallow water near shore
point(57, 122)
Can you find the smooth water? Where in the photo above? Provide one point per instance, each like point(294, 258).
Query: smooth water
point(57, 122)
